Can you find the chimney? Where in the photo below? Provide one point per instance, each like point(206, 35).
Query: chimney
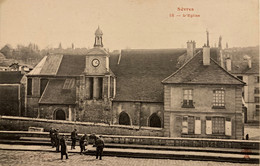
point(228, 64)
point(194, 47)
point(249, 62)
point(191, 45)
point(206, 55)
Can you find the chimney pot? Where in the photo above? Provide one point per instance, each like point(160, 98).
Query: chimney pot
point(206, 55)
point(191, 47)
point(228, 64)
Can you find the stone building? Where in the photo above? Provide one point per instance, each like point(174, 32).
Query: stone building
point(201, 99)
point(103, 87)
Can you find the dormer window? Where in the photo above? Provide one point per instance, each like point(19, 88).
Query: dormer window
point(68, 84)
point(187, 98)
point(219, 99)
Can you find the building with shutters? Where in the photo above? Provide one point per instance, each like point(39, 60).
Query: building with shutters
point(201, 99)
point(246, 68)
point(126, 88)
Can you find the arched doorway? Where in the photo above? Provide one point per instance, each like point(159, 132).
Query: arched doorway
point(60, 115)
point(155, 121)
point(124, 119)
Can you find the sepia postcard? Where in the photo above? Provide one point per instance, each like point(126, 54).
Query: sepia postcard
point(129, 82)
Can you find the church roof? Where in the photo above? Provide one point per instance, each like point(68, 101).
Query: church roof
point(60, 65)
point(194, 72)
point(55, 93)
point(139, 73)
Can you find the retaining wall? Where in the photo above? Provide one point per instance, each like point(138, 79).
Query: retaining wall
point(10, 123)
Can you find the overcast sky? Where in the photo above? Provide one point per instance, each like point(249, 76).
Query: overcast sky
point(128, 23)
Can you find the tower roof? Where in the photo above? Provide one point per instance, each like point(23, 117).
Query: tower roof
point(98, 32)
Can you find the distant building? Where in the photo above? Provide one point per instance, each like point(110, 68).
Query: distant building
point(125, 88)
point(244, 64)
point(7, 50)
point(248, 71)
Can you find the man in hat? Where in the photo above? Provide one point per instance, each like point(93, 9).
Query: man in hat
point(64, 149)
point(99, 143)
point(83, 142)
point(57, 140)
point(52, 131)
point(74, 135)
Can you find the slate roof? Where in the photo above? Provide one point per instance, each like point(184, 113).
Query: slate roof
point(72, 65)
point(10, 77)
point(140, 72)
point(241, 67)
point(60, 65)
point(194, 72)
point(55, 94)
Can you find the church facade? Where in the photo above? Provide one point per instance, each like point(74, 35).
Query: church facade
point(125, 88)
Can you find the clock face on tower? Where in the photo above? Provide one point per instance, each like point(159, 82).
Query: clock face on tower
point(95, 62)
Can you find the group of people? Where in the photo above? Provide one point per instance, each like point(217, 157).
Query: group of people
point(59, 141)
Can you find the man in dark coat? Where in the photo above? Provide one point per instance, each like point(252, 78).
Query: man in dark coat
point(64, 149)
point(74, 135)
point(57, 140)
point(83, 142)
point(99, 143)
point(52, 137)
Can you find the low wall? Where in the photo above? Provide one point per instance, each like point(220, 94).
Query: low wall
point(184, 142)
point(149, 140)
point(10, 123)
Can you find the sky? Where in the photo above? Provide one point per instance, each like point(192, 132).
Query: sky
point(147, 24)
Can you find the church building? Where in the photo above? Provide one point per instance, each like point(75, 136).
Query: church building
point(137, 87)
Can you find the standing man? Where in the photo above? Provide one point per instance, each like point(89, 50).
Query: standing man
point(64, 149)
point(83, 142)
point(74, 135)
point(99, 143)
point(57, 140)
point(52, 137)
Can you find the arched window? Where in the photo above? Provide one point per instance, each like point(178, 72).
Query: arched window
point(60, 115)
point(155, 121)
point(124, 119)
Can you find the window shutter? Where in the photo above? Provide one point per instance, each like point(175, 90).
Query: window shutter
point(228, 128)
point(184, 125)
point(178, 125)
point(208, 125)
point(184, 102)
point(197, 125)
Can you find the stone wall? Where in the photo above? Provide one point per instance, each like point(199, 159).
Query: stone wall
point(138, 112)
point(151, 140)
point(22, 124)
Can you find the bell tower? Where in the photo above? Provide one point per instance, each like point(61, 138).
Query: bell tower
point(96, 84)
point(98, 38)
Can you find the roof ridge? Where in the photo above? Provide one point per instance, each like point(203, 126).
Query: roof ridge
point(227, 71)
point(181, 67)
